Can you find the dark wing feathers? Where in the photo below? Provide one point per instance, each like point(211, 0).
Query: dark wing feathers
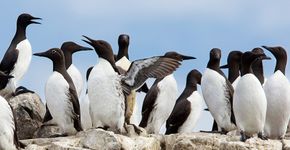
point(148, 104)
point(141, 70)
point(76, 106)
point(178, 116)
point(8, 61)
point(47, 117)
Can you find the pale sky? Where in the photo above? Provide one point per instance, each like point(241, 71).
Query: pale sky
point(191, 27)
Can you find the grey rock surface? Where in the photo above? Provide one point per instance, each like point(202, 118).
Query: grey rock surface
point(28, 112)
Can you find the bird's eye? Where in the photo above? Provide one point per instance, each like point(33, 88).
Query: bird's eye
point(53, 51)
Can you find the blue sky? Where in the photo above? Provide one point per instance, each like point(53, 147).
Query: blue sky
point(187, 26)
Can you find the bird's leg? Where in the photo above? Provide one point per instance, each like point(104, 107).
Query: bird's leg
point(244, 137)
point(21, 90)
point(262, 136)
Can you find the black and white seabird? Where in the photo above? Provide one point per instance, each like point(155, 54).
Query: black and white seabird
point(60, 93)
point(277, 91)
point(160, 99)
point(234, 67)
point(250, 103)
point(107, 89)
point(8, 136)
point(85, 107)
point(187, 108)
point(69, 48)
point(257, 66)
point(217, 92)
point(123, 63)
point(18, 55)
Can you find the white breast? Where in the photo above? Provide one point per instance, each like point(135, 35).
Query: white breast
point(106, 97)
point(250, 105)
point(196, 101)
point(234, 84)
point(58, 103)
point(277, 91)
point(163, 105)
point(213, 90)
point(85, 113)
point(77, 78)
point(7, 126)
point(23, 60)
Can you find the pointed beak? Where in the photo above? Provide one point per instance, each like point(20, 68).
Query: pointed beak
point(268, 48)
point(88, 40)
point(82, 48)
point(9, 76)
point(263, 57)
point(42, 54)
point(184, 57)
point(35, 22)
point(224, 66)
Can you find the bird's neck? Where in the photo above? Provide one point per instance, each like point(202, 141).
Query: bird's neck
point(213, 64)
point(20, 33)
point(123, 51)
point(246, 68)
point(281, 65)
point(233, 73)
point(59, 67)
point(68, 59)
point(258, 70)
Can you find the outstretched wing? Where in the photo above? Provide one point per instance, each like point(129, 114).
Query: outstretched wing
point(141, 70)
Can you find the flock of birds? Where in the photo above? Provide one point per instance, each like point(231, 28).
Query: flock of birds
point(243, 101)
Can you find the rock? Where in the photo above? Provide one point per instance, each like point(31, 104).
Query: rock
point(47, 131)
point(28, 111)
point(99, 139)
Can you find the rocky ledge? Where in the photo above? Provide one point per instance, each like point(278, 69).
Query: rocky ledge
point(99, 139)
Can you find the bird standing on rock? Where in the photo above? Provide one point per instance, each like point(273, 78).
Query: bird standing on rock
point(218, 93)
point(60, 93)
point(160, 99)
point(277, 91)
point(17, 58)
point(250, 103)
point(107, 89)
point(187, 108)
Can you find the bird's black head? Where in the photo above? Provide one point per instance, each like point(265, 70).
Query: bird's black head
point(177, 56)
point(278, 52)
point(235, 57)
point(260, 52)
point(54, 54)
point(26, 19)
point(248, 59)
point(72, 47)
point(4, 78)
point(123, 40)
point(194, 77)
point(102, 48)
point(215, 54)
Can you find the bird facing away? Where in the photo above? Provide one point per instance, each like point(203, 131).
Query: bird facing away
point(250, 102)
point(17, 58)
point(160, 99)
point(187, 108)
point(218, 93)
point(107, 89)
point(277, 91)
point(257, 66)
point(60, 93)
point(8, 136)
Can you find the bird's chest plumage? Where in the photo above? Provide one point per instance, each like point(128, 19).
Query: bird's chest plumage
point(76, 77)
point(57, 97)
point(23, 60)
point(105, 91)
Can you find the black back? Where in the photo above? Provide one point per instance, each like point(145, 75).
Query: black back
point(182, 106)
